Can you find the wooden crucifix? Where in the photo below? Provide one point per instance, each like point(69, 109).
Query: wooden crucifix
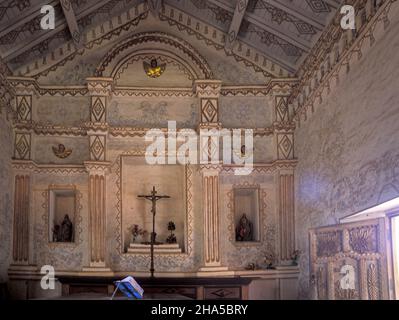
point(153, 197)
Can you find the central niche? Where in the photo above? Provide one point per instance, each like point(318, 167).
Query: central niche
point(138, 178)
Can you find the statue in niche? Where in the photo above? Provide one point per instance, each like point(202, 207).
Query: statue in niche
point(56, 233)
point(66, 229)
point(244, 229)
point(172, 237)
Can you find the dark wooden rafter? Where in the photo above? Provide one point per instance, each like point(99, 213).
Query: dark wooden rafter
point(302, 15)
point(287, 36)
point(154, 6)
point(284, 64)
point(246, 18)
point(235, 24)
point(72, 23)
point(26, 16)
point(332, 3)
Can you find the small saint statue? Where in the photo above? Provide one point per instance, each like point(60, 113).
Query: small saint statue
point(171, 227)
point(244, 229)
point(56, 233)
point(66, 229)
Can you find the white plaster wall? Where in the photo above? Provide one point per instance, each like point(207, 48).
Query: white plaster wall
point(6, 213)
point(245, 112)
point(348, 150)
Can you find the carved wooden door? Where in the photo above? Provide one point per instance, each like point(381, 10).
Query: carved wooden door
point(349, 261)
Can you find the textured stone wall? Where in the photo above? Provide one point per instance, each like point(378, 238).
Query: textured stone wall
point(348, 150)
point(5, 195)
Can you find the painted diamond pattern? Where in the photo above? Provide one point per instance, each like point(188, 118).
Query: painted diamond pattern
point(98, 109)
point(209, 149)
point(285, 147)
point(318, 6)
point(22, 146)
point(209, 111)
point(282, 111)
point(304, 28)
point(23, 109)
point(222, 293)
point(97, 149)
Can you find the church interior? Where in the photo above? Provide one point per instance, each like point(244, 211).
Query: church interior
point(211, 149)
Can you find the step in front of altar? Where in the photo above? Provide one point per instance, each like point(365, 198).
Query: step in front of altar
point(158, 248)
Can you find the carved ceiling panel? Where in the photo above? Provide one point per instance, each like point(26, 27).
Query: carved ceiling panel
point(283, 31)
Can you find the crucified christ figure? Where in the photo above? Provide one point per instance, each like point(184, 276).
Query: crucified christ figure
point(153, 197)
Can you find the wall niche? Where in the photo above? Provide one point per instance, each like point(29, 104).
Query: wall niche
point(246, 214)
point(62, 214)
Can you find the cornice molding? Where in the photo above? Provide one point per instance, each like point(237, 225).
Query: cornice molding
point(28, 85)
point(32, 166)
point(263, 168)
point(123, 132)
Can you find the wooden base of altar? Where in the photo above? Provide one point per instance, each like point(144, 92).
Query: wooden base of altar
point(234, 288)
point(277, 284)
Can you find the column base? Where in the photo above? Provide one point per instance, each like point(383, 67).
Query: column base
point(218, 271)
point(96, 267)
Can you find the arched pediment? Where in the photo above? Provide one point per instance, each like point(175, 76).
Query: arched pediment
point(124, 63)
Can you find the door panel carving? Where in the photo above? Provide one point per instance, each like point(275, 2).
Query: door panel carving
point(349, 261)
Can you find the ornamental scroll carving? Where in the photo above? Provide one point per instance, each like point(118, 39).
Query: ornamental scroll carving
point(373, 289)
point(363, 239)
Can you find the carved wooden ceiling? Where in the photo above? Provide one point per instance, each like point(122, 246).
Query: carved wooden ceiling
point(282, 30)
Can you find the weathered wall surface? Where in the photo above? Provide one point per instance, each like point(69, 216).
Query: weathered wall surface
point(348, 150)
point(5, 195)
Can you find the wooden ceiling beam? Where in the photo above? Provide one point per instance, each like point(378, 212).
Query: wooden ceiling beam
point(288, 66)
point(154, 6)
point(29, 16)
point(332, 3)
point(25, 47)
point(301, 15)
point(287, 36)
point(235, 24)
point(72, 23)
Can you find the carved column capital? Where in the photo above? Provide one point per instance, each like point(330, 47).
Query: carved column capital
point(208, 92)
point(100, 86)
point(100, 168)
point(23, 85)
point(207, 88)
point(210, 169)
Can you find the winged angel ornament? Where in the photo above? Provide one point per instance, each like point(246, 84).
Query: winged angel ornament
point(152, 69)
point(61, 151)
